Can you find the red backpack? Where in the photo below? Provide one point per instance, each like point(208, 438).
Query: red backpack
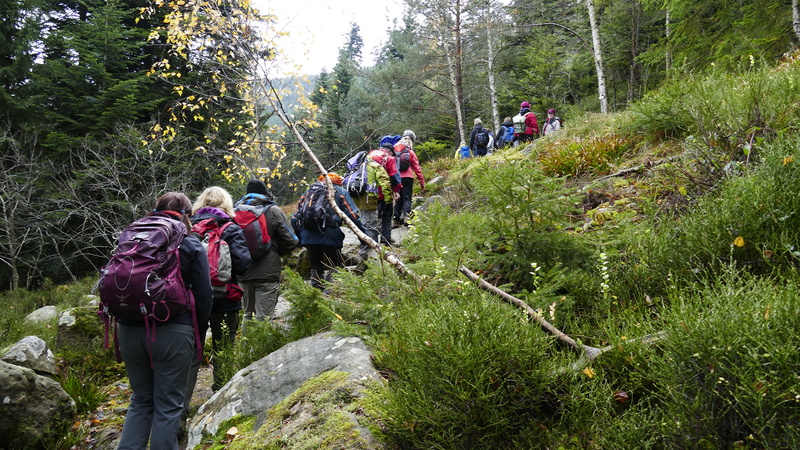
point(218, 252)
point(253, 220)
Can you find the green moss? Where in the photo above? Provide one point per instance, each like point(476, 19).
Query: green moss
point(317, 415)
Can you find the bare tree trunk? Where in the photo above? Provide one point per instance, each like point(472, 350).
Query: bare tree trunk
point(490, 68)
point(796, 19)
point(635, 17)
point(668, 55)
point(598, 57)
point(453, 72)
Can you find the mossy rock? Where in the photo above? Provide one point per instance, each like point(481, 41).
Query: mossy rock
point(322, 413)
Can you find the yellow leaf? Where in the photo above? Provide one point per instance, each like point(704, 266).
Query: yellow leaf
point(589, 372)
point(682, 190)
point(788, 159)
point(739, 241)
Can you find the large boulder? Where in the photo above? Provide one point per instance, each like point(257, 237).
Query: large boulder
point(43, 314)
point(31, 352)
point(34, 409)
point(267, 382)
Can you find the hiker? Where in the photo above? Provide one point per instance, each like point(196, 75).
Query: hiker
point(552, 123)
point(157, 371)
point(479, 139)
point(324, 243)
point(505, 135)
point(385, 157)
point(215, 204)
point(463, 151)
point(261, 282)
point(408, 165)
point(525, 125)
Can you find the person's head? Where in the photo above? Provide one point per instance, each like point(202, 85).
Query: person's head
point(257, 187)
point(524, 105)
point(507, 119)
point(410, 134)
point(176, 202)
point(335, 178)
point(478, 121)
point(214, 196)
point(551, 112)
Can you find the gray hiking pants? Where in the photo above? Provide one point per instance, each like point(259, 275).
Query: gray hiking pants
point(260, 299)
point(157, 401)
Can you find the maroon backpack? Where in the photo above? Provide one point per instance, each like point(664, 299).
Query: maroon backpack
point(142, 281)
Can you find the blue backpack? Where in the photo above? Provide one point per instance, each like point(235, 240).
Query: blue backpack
point(508, 136)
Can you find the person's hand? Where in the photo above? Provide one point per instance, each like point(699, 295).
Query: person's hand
point(396, 196)
point(422, 187)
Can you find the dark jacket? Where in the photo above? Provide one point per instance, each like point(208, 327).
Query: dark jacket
point(268, 267)
point(194, 271)
point(240, 254)
point(476, 149)
point(332, 236)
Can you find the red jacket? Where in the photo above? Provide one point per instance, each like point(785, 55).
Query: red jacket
point(530, 121)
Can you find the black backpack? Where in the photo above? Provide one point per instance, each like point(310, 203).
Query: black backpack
point(314, 211)
point(403, 158)
point(482, 138)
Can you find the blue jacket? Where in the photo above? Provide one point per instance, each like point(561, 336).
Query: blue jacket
point(240, 255)
point(331, 236)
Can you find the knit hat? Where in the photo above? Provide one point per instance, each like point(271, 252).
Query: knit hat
point(257, 187)
point(335, 178)
point(525, 105)
point(551, 111)
point(410, 134)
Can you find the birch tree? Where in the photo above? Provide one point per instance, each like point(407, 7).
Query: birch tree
point(597, 51)
point(442, 23)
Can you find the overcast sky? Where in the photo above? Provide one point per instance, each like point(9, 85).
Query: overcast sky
point(318, 28)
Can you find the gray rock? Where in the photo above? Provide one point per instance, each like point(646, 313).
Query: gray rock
point(31, 352)
point(262, 385)
point(32, 408)
point(44, 314)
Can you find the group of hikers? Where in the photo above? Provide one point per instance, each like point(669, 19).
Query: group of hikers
point(188, 267)
point(213, 258)
point(519, 130)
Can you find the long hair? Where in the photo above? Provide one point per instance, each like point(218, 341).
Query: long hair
point(176, 202)
point(217, 197)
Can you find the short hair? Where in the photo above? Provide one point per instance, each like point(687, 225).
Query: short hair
point(214, 196)
point(478, 121)
point(507, 119)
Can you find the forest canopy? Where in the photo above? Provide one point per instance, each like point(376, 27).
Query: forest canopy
point(106, 104)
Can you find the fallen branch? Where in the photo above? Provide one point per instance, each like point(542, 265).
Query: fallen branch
point(586, 350)
point(588, 353)
point(639, 168)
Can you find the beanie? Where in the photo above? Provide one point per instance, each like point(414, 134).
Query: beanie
point(335, 178)
point(551, 111)
point(410, 134)
point(257, 187)
point(525, 105)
